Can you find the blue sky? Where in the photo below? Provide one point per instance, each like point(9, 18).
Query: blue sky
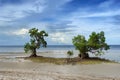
point(62, 19)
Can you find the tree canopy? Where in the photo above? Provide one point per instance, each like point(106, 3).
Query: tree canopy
point(37, 40)
point(95, 44)
point(80, 44)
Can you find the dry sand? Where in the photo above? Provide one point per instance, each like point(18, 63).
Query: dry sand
point(19, 69)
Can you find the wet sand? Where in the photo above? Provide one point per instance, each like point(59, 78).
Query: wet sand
point(20, 69)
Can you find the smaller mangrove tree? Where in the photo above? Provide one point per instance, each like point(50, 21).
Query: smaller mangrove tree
point(37, 40)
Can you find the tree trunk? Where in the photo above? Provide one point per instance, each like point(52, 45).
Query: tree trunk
point(83, 55)
point(33, 53)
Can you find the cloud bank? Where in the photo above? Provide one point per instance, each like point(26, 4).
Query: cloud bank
point(62, 19)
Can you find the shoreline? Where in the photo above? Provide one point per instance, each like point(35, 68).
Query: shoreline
point(12, 68)
point(52, 54)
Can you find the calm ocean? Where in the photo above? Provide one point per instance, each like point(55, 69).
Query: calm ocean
point(112, 54)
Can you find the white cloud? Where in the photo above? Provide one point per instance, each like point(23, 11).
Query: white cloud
point(61, 37)
point(80, 21)
point(13, 12)
point(107, 8)
point(84, 25)
point(106, 4)
point(39, 25)
point(103, 14)
point(88, 14)
point(20, 32)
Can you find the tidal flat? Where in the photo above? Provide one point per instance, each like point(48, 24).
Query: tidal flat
point(15, 67)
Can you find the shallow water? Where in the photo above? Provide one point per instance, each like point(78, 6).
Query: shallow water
point(61, 51)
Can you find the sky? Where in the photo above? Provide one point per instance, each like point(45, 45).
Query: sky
point(61, 19)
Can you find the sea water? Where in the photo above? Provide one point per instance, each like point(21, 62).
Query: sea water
point(60, 50)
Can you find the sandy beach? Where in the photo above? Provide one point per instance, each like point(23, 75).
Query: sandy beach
point(19, 69)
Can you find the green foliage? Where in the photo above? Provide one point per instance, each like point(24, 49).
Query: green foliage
point(95, 44)
point(70, 53)
point(37, 40)
point(27, 47)
point(80, 44)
